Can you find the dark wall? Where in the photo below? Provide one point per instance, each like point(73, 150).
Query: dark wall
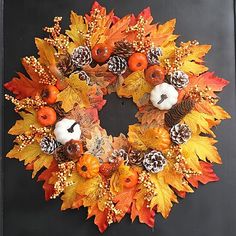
point(212, 209)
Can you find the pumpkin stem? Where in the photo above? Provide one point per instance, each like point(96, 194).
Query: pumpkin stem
point(163, 98)
point(71, 129)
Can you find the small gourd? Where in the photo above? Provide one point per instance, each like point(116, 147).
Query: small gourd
point(164, 96)
point(88, 166)
point(66, 130)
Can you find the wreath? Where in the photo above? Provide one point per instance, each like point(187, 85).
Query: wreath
point(166, 154)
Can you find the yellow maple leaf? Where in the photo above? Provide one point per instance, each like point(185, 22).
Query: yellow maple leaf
point(43, 160)
point(164, 196)
point(199, 147)
point(27, 154)
point(200, 122)
point(76, 92)
point(190, 63)
point(22, 126)
point(70, 192)
point(134, 86)
point(46, 52)
point(77, 27)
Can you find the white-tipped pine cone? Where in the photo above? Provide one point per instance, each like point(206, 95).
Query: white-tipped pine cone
point(49, 145)
point(154, 161)
point(117, 65)
point(118, 155)
point(153, 55)
point(179, 79)
point(180, 133)
point(81, 56)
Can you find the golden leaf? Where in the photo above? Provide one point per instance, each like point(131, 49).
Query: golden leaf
point(46, 52)
point(135, 137)
point(28, 154)
point(77, 25)
point(43, 160)
point(164, 196)
point(70, 193)
point(202, 148)
point(134, 86)
point(75, 93)
point(22, 126)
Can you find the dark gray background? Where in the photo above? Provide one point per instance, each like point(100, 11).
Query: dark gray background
point(212, 209)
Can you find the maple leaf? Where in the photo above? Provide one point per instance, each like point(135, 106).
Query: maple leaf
point(46, 52)
point(134, 86)
point(77, 27)
point(199, 147)
point(46, 176)
point(142, 139)
point(23, 125)
point(145, 214)
point(43, 160)
point(70, 193)
point(120, 142)
point(163, 33)
point(164, 196)
point(207, 175)
point(100, 217)
point(124, 201)
point(75, 93)
point(99, 144)
point(150, 116)
point(27, 154)
point(118, 31)
point(191, 63)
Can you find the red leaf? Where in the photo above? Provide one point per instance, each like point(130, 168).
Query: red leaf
point(207, 175)
point(100, 217)
point(45, 176)
point(146, 14)
point(145, 215)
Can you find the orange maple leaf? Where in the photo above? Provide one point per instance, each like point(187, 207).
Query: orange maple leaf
point(207, 175)
point(45, 176)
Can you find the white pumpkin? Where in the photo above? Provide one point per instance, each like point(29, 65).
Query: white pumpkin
point(164, 96)
point(66, 130)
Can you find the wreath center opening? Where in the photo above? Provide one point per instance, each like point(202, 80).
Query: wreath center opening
point(117, 114)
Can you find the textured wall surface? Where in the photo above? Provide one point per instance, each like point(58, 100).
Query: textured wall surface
point(212, 209)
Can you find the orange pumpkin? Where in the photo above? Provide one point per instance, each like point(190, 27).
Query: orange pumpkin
point(131, 180)
point(88, 166)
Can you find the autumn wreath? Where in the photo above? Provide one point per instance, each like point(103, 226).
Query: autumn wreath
point(167, 153)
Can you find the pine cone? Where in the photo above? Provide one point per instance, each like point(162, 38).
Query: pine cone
point(180, 133)
point(153, 55)
point(84, 76)
point(60, 155)
point(49, 145)
point(59, 110)
point(119, 155)
point(136, 158)
point(154, 161)
point(65, 65)
point(179, 79)
point(117, 65)
point(123, 49)
point(81, 56)
point(178, 112)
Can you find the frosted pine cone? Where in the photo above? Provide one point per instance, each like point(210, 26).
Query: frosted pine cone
point(136, 157)
point(179, 79)
point(154, 161)
point(153, 55)
point(180, 133)
point(119, 155)
point(123, 49)
point(49, 145)
point(117, 65)
point(84, 76)
point(81, 56)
